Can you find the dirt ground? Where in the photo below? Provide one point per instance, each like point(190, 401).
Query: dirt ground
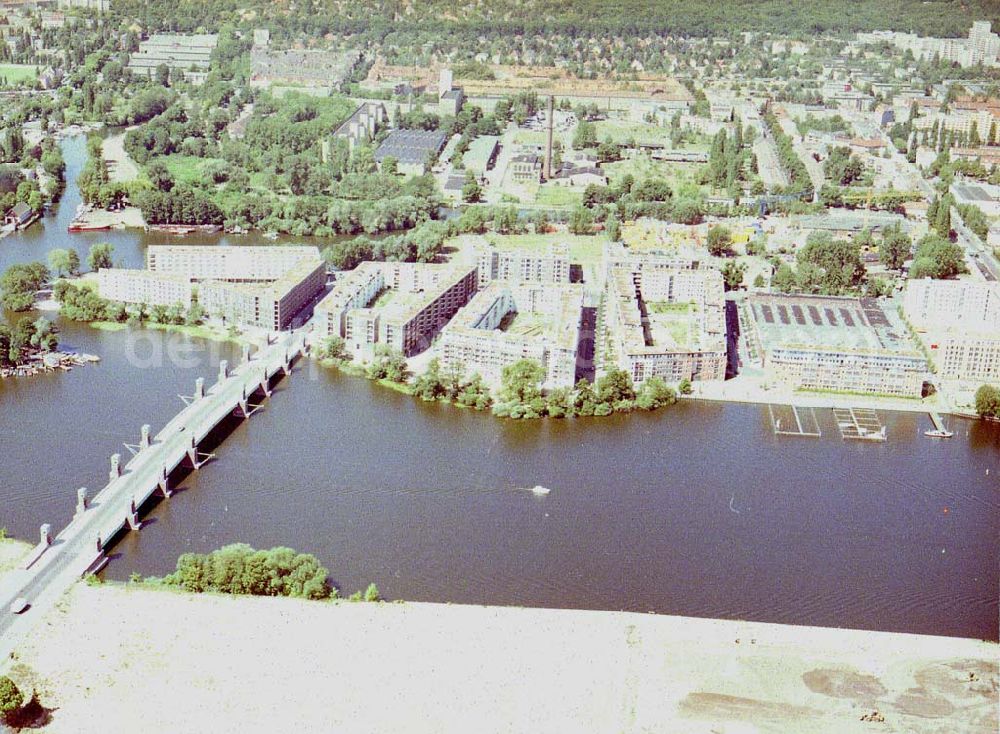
point(113, 658)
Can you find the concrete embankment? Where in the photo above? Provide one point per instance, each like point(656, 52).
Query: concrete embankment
point(263, 664)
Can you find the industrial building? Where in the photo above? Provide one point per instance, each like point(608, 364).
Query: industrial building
point(837, 344)
point(190, 55)
point(304, 67)
point(412, 149)
point(665, 322)
point(264, 287)
point(507, 322)
point(361, 126)
point(401, 305)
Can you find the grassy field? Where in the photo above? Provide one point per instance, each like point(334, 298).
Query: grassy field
point(621, 131)
point(585, 249)
point(682, 177)
point(16, 73)
point(187, 168)
point(554, 195)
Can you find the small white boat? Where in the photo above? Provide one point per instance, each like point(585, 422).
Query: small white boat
point(939, 434)
point(540, 490)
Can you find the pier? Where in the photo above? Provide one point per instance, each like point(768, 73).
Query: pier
point(156, 462)
point(861, 424)
point(791, 420)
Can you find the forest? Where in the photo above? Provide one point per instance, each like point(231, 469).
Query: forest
point(383, 18)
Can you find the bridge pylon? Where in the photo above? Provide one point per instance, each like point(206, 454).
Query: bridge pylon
point(223, 370)
point(144, 437)
point(45, 534)
point(133, 515)
point(163, 484)
point(116, 467)
point(82, 502)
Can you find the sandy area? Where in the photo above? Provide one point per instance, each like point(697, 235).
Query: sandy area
point(12, 552)
point(127, 659)
point(129, 216)
point(121, 167)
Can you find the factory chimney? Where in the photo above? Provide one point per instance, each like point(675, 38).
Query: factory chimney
point(548, 143)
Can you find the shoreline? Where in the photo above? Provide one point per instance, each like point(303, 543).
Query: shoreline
point(447, 668)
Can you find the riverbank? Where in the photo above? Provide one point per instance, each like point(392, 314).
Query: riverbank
point(96, 219)
point(260, 664)
point(756, 391)
point(12, 553)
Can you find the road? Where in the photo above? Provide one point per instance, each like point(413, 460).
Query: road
point(74, 550)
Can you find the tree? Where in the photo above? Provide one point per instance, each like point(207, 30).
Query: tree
point(520, 394)
point(159, 175)
point(11, 698)
point(988, 401)
point(937, 257)
point(19, 283)
point(61, 262)
point(684, 387)
point(720, 241)
point(732, 274)
point(784, 279)
point(472, 192)
point(429, 385)
point(100, 256)
point(389, 364)
point(654, 393)
point(895, 248)
point(613, 228)
point(581, 221)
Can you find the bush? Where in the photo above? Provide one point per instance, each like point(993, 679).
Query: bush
point(988, 401)
point(11, 699)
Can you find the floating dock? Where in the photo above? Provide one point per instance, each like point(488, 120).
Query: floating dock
point(859, 424)
point(789, 420)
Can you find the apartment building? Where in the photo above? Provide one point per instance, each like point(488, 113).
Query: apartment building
point(507, 322)
point(552, 266)
point(667, 323)
point(961, 304)
point(264, 287)
point(959, 323)
point(142, 286)
point(836, 344)
point(402, 305)
point(270, 305)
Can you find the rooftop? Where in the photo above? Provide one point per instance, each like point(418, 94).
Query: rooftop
point(831, 324)
point(413, 147)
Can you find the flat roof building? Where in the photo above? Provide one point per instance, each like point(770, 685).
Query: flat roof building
point(263, 286)
point(143, 286)
point(959, 323)
point(402, 305)
point(189, 54)
point(522, 266)
point(667, 323)
point(412, 149)
point(507, 322)
point(837, 344)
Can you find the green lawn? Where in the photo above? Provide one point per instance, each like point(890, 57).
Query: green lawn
point(17, 73)
point(621, 131)
point(554, 195)
point(187, 168)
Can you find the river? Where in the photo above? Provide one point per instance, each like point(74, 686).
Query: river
point(697, 510)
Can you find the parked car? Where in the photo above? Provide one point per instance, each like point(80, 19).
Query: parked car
point(19, 605)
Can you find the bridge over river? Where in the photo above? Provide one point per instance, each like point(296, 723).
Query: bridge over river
point(56, 562)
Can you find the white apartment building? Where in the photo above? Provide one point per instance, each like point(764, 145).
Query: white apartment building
point(415, 300)
point(251, 286)
point(520, 266)
point(667, 323)
point(506, 322)
point(187, 54)
point(142, 286)
point(959, 323)
point(961, 304)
